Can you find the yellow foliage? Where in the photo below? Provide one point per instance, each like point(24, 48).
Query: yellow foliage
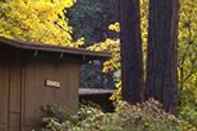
point(114, 27)
point(112, 65)
point(38, 21)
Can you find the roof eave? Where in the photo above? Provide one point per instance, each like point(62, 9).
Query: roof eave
point(55, 49)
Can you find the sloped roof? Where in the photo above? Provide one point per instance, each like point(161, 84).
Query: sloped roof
point(18, 44)
point(95, 91)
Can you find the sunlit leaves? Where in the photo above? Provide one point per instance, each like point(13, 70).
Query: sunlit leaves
point(114, 27)
point(113, 65)
point(187, 50)
point(37, 20)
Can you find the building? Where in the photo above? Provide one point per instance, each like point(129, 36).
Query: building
point(33, 75)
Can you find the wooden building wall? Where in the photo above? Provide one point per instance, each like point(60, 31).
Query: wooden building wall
point(3, 97)
point(10, 91)
point(23, 92)
point(37, 94)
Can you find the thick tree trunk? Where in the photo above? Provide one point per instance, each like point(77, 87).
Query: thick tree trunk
point(162, 53)
point(131, 51)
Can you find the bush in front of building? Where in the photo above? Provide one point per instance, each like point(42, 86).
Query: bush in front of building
point(147, 116)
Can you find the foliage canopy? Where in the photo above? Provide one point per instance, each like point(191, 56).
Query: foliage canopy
point(37, 20)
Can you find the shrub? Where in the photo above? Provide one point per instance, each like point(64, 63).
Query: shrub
point(147, 116)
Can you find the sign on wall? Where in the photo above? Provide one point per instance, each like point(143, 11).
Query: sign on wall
point(52, 83)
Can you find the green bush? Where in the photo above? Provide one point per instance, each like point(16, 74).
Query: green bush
point(147, 116)
point(142, 117)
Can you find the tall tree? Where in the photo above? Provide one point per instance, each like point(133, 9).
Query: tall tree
point(131, 51)
point(162, 52)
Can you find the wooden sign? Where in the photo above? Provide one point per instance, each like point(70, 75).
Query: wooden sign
point(51, 83)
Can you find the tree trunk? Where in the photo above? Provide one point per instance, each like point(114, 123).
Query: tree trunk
point(131, 51)
point(162, 53)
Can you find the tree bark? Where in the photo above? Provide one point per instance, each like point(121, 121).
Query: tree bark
point(131, 51)
point(162, 53)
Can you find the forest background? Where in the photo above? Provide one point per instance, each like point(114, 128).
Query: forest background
point(94, 25)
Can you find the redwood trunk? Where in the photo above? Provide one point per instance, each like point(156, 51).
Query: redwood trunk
point(162, 53)
point(131, 51)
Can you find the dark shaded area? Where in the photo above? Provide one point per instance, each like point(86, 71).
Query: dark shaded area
point(90, 19)
point(92, 76)
point(99, 97)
